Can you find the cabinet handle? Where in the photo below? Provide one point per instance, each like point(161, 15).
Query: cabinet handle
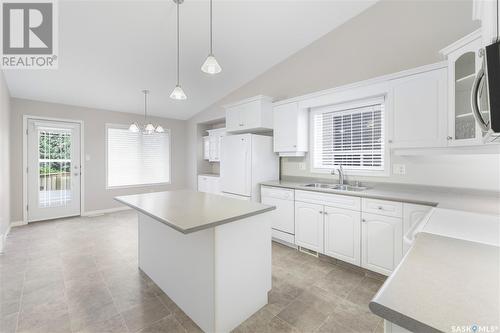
point(449, 137)
point(241, 124)
point(321, 212)
point(363, 220)
point(325, 213)
point(380, 207)
point(390, 141)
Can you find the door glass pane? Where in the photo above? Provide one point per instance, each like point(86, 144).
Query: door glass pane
point(54, 166)
point(465, 70)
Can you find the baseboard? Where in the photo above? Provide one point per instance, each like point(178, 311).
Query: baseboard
point(3, 239)
point(17, 224)
point(105, 211)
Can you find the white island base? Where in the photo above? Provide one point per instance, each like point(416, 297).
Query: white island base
point(218, 276)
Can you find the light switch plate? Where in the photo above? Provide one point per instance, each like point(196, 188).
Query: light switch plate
point(399, 169)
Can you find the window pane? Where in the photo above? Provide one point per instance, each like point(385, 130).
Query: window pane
point(136, 158)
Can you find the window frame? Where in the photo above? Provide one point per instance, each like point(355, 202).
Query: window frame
point(349, 105)
point(122, 126)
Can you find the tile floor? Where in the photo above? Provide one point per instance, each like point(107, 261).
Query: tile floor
point(81, 275)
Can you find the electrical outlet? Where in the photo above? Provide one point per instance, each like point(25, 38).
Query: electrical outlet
point(302, 166)
point(399, 169)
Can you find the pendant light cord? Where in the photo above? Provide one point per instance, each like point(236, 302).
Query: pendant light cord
point(145, 105)
point(211, 27)
point(178, 42)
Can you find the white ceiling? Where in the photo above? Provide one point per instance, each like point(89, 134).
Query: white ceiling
point(110, 50)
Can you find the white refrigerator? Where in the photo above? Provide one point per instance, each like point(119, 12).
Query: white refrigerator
point(246, 161)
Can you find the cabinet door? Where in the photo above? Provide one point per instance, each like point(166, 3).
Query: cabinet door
point(412, 214)
point(203, 185)
point(419, 114)
point(233, 122)
point(285, 119)
point(250, 115)
point(463, 66)
point(381, 245)
point(213, 185)
point(309, 226)
point(214, 148)
point(343, 234)
point(206, 148)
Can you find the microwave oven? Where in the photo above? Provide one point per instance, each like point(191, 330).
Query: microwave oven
point(485, 97)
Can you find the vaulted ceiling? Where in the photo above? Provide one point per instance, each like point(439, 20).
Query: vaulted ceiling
point(110, 50)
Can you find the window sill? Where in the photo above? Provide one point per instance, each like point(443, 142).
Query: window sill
point(136, 186)
point(354, 172)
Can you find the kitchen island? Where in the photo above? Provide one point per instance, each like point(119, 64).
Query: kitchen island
point(210, 254)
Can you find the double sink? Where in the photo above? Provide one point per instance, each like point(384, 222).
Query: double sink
point(336, 187)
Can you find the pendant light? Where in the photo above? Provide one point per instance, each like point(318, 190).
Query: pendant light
point(211, 66)
point(148, 127)
point(178, 93)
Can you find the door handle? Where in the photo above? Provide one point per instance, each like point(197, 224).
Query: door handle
point(473, 101)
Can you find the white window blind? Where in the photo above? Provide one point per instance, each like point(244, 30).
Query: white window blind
point(351, 136)
point(136, 158)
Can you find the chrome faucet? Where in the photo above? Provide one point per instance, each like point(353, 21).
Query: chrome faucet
point(341, 174)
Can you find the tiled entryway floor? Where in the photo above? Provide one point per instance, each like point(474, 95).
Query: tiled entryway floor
point(81, 275)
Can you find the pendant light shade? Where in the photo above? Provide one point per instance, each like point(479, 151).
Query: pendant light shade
point(134, 128)
point(178, 93)
point(159, 129)
point(211, 66)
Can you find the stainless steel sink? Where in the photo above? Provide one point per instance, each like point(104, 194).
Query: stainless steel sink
point(336, 187)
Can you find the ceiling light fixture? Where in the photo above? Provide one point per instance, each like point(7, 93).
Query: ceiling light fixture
point(211, 66)
point(178, 93)
point(147, 128)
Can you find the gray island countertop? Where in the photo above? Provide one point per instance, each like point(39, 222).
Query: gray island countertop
point(487, 202)
point(441, 283)
point(189, 211)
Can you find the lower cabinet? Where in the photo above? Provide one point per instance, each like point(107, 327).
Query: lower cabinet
point(309, 226)
point(342, 229)
point(208, 184)
point(381, 242)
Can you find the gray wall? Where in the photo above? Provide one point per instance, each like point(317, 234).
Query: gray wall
point(388, 37)
point(4, 157)
point(96, 196)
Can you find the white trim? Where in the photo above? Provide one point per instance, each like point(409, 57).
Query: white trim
point(14, 224)
point(105, 211)
point(365, 83)
point(461, 42)
point(25, 159)
point(247, 100)
point(455, 150)
point(114, 125)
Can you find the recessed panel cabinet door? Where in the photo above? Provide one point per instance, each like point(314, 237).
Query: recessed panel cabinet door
point(309, 226)
point(382, 240)
point(343, 234)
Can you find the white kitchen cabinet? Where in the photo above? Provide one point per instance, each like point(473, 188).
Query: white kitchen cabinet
point(381, 242)
point(309, 226)
point(283, 217)
point(342, 234)
point(209, 184)
point(250, 115)
point(487, 12)
point(463, 64)
point(215, 143)
point(290, 129)
point(420, 110)
point(412, 214)
point(206, 148)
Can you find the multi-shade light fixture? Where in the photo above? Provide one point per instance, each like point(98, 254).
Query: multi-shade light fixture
point(147, 127)
point(210, 66)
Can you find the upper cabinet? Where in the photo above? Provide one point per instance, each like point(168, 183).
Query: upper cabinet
point(250, 115)
point(487, 12)
point(290, 129)
point(463, 64)
point(212, 144)
point(419, 109)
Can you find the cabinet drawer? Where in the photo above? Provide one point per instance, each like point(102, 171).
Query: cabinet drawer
point(278, 193)
point(383, 207)
point(327, 199)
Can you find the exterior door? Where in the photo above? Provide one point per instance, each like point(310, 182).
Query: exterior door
point(343, 234)
point(53, 169)
point(309, 226)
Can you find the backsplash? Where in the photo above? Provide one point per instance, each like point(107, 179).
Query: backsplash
point(466, 171)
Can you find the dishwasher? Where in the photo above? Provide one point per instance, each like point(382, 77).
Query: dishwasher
point(283, 217)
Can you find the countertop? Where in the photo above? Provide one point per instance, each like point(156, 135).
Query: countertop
point(451, 198)
point(189, 211)
point(442, 282)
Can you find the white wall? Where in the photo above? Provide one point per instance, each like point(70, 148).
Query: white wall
point(96, 196)
point(4, 159)
point(388, 37)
